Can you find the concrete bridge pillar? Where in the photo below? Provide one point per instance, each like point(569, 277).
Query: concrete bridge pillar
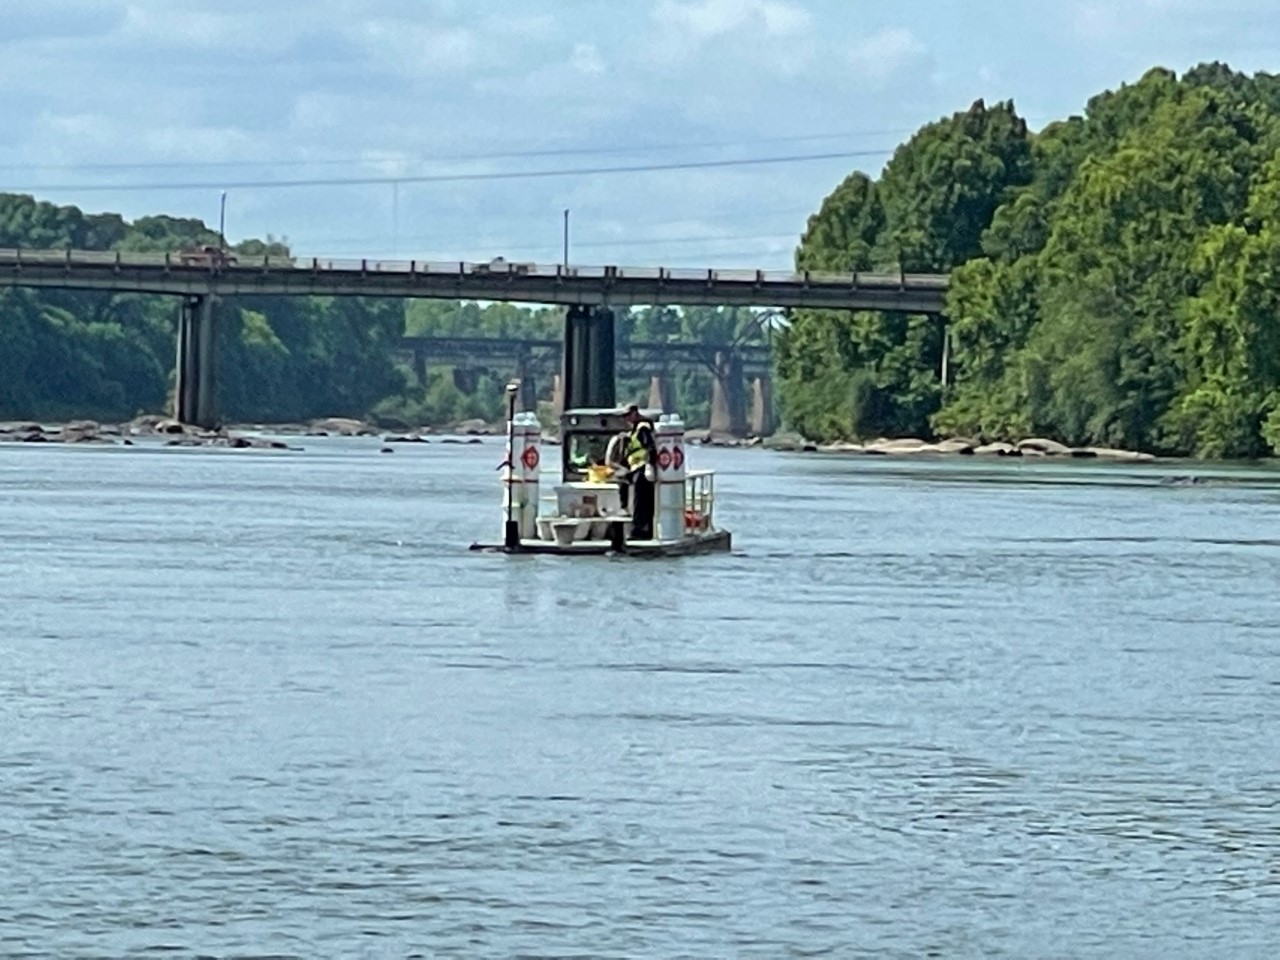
point(528, 396)
point(557, 395)
point(195, 394)
point(589, 379)
point(728, 397)
point(762, 424)
point(662, 394)
point(420, 363)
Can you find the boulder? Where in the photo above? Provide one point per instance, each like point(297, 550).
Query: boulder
point(475, 428)
point(898, 446)
point(1051, 448)
point(1121, 456)
point(957, 445)
point(342, 427)
point(997, 450)
point(842, 446)
point(20, 428)
point(82, 431)
point(788, 442)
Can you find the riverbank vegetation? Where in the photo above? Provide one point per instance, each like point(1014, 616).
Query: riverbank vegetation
point(1113, 277)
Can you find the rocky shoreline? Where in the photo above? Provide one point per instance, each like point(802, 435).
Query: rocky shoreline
point(169, 432)
point(1032, 447)
point(166, 431)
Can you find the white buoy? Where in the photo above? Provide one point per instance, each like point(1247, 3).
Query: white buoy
point(524, 454)
point(670, 494)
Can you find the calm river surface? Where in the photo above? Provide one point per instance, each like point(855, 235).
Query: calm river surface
point(256, 703)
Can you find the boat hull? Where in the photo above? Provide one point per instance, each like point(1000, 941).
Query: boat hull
point(712, 541)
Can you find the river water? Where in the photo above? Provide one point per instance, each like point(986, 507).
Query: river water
point(268, 704)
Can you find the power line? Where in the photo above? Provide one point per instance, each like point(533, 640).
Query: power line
point(443, 177)
point(444, 157)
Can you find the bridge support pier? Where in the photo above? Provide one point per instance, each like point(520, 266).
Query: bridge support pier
point(557, 395)
point(762, 424)
point(195, 397)
point(662, 394)
point(728, 400)
point(527, 399)
point(589, 361)
point(420, 364)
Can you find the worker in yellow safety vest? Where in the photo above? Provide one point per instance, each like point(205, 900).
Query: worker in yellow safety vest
point(641, 453)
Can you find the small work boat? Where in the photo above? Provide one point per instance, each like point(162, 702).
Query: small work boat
point(585, 515)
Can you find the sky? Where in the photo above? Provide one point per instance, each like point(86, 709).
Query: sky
point(463, 129)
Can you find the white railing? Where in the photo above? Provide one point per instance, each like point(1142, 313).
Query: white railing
point(699, 500)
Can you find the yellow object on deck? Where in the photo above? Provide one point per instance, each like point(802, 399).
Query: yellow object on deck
point(599, 474)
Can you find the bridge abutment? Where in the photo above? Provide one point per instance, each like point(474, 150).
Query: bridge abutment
point(195, 394)
point(589, 362)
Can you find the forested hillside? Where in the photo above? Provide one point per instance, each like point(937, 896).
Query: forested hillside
point(1114, 277)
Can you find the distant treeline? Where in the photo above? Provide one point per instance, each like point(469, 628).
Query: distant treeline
point(1113, 277)
point(72, 354)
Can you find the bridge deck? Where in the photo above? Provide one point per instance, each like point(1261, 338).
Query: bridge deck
point(499, 280)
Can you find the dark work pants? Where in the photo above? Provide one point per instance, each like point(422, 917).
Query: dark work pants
point(642, 510)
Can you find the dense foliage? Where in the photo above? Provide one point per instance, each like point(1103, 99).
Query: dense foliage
point(1113, 276)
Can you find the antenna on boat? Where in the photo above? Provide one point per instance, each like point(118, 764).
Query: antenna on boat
point(511, 532)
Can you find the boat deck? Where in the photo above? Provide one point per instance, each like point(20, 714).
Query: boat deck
point(713, 541)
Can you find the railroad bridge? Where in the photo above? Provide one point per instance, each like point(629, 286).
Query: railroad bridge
point(741, 401)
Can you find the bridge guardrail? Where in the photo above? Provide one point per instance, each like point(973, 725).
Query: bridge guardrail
point(245, 264)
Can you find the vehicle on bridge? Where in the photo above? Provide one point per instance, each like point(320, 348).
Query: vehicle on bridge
point(206, 254)
point(501, 265)
point(585, 516)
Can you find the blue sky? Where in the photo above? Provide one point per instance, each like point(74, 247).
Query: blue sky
point(248, 95)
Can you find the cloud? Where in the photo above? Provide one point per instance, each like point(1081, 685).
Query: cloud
point(686, 26)
point(882, 54)
point(586, 59)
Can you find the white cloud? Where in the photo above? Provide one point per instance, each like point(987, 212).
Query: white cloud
point(418, 49)
point(687, 25)
point(882, 54)
point(586, 59)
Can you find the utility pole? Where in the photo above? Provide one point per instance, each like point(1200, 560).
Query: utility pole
point(566, 239)
point(222, 221)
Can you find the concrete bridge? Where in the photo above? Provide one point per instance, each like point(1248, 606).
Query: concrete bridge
point(200, 278)
point(225, 276)
point(741, 374)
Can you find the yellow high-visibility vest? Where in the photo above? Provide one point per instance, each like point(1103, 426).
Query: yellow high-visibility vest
point(637, 453)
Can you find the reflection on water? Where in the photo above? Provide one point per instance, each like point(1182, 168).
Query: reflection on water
point(271, 705)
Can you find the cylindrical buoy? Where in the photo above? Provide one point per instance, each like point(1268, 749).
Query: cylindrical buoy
point(669, 437)
point(525, 457)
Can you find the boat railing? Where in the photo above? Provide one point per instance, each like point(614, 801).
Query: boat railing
point(699, 500)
